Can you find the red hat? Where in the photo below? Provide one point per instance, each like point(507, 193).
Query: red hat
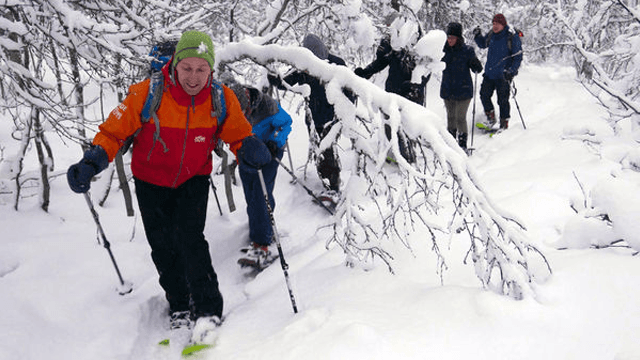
point(500, 19)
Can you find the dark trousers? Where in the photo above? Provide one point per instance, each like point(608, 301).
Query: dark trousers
point(501, 87)
point(174, 222)
point(260, 229)
point(328, 163)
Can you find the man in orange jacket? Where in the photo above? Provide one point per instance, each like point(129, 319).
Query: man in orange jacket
point(171, 168)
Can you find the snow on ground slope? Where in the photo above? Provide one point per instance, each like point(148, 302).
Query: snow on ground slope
point(57, 284)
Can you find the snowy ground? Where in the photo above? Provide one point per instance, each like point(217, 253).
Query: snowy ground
point(57, 285)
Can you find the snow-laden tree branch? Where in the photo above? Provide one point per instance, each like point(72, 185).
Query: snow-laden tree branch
point(606, 55)
point(439, 195)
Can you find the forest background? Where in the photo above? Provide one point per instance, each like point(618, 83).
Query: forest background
point(56, 55)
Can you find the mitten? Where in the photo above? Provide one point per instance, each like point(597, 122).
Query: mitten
point(79, 175)
point(253, 154)
point(508, 75)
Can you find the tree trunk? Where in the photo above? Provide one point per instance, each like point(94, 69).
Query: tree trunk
point(26, 136)
point(79, 96)
point(44, 166)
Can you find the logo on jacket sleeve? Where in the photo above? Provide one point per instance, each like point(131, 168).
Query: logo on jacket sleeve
point(199, 139)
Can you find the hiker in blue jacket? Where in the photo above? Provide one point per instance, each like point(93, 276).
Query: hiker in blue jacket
point(456, 88)
point(272, 125)
point(503, 61)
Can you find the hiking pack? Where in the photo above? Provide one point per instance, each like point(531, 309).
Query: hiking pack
point(509, 39)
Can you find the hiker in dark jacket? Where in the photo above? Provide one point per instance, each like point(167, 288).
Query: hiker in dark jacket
point(503, 61)
point(322, 113)
point(457, 87)
point(272, 125)
point(401, 63)
point(171, 163)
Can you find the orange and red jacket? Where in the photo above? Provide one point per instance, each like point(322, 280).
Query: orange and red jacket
point(187, 132)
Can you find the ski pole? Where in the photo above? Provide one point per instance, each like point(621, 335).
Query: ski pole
point(215, 193)
point(125, 287)
point(473, 113)
point(515, 91)
point(289, 154)
point(309, 191)
point(276, 237)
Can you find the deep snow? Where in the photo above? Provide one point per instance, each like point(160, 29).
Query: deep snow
point(57, 284)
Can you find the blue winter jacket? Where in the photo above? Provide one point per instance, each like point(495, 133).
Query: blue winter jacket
point(456, 77)
point(268, 120)
point(274, 128)
point(499, 58)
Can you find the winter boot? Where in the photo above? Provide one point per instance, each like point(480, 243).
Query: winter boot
point(504, 124)
point(205, 330)
point(257, 256)
point(462, 141)
point(180, 320)
point(491, 119)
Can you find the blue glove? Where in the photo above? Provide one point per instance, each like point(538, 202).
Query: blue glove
point(79, 175)
point(253, 154)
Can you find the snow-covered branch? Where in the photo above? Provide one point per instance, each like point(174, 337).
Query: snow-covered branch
point(439, 193)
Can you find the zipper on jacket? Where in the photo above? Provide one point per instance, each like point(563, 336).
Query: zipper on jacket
point(184, 145)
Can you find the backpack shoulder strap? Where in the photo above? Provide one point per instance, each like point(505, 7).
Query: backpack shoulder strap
point(510, 40)
point(219, 106)
point(151, 105)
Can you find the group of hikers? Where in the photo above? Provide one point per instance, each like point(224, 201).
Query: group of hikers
point(171, 157)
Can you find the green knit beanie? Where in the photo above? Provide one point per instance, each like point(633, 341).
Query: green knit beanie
point(194, 44)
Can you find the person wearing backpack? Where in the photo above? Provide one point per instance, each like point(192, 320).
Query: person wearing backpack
point(322, 115)
point(503, 61)
point(171, 163)
point(401, 63)
point(272, 125)
point(456, 88)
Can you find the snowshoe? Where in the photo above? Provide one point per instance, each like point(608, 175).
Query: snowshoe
point(257, 257)
point(180, 320)
point(328, 199)
point(180, 332)
point(487, 129)
point(204, 335)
